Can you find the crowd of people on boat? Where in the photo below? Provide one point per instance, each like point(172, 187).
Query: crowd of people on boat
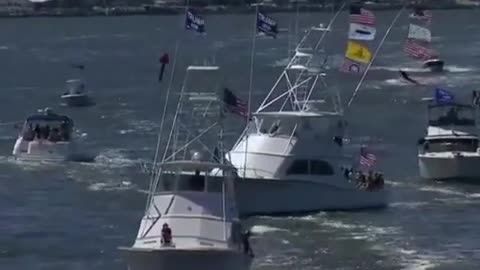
point(370, 181)
point(53, 134)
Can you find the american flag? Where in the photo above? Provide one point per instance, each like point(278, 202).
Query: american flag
point(233, 104)
point(367, 159)
point(361, 16)
point(416, 50)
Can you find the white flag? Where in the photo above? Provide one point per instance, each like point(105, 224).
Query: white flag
point(361, 32)
point(418, 32)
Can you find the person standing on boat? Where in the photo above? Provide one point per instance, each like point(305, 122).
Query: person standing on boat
point(246, 243)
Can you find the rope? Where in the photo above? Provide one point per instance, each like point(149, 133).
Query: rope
point(374, 56)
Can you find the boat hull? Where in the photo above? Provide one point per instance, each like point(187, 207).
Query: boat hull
point(73, 100)
point(449, 167)
point(283, 197)
point(48, 151)
point(167, 259)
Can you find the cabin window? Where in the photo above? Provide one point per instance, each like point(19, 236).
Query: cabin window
point(310, 167)
point(320, 167)
point(298, 167)
point(167, 183)
point(215, 184)
point(441, 145)
point(195, 182)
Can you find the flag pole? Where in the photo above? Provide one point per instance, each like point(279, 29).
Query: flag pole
point(250, 87)
point(374, 56)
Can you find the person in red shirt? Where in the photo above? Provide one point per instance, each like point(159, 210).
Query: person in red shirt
point(166, 235)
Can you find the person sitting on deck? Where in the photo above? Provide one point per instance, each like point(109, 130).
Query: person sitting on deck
point(46, 132)
point(37, 130)
point(29, 134)
point(54, 135)
point(166, 235)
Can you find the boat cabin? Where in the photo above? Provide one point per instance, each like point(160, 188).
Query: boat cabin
point(196, 176)
point(451, 115)
point(49, 126)
point(450, 144)
point(75, 87)
point(195, 199)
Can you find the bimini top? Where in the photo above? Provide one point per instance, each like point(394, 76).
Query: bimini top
point(296, 114)
point(50, 116)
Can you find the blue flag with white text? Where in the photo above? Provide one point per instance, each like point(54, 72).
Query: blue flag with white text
point(443, 96)
point(194, 22)
point(266, 25)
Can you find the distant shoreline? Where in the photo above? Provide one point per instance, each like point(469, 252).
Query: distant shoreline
point(210, 10)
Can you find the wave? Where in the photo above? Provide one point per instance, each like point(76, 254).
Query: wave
point(452, 69)
point(114, 158)
point(102, 186)
point(408, 205)
point(3, 47)
point(263, 229)
point(444, 190)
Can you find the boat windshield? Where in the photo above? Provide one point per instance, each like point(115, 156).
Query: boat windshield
point(451, 145)
point(54, 128)
point(446, 115)
point(196, 182)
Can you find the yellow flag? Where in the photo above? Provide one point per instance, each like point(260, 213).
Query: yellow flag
point(357, 52)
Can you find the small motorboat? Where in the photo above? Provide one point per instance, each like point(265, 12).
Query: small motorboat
point(450, 151)
point(46, 137)
point(434, 64)
point(76, 95)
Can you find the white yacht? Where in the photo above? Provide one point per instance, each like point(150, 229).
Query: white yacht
point(76, 95)
point(291, 153)
point(191, 219)
point(46, 137)
point(450, 149)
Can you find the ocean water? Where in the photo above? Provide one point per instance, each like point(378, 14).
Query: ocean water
point(75, 215)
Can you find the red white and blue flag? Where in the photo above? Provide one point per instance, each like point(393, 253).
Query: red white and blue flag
point(416, 50)
point(233, 104)
point(367, 159)
point(361, 16)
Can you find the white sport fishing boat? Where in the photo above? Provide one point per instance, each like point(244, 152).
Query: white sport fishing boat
point(450, 150)
point(191, 219)
point(46, 137)
point(291, 153)
point(76, 95)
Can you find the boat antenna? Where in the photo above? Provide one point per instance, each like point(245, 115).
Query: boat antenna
point(352, 98)
point(155, 176)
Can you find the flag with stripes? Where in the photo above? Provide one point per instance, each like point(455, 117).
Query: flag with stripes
point(349, 66)
point(266, 25)
point(233, 104)
point(361, 16)
point(415, 50)
point(367, 159)
point(194, 22)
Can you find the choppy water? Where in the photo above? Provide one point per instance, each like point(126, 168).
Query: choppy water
point(73, 216)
